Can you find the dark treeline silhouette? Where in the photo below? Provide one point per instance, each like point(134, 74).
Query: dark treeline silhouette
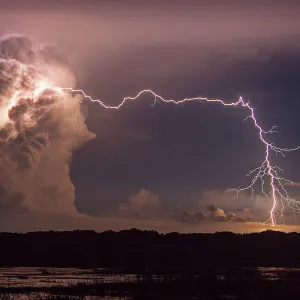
point(137, 250)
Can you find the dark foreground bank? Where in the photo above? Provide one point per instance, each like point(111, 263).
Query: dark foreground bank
point(135, 250)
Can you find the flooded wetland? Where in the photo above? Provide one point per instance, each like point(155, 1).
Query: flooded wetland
point(73, 283)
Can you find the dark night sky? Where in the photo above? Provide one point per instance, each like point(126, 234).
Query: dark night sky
point(219, 50)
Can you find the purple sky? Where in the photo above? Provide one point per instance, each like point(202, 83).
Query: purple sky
point(187, 157)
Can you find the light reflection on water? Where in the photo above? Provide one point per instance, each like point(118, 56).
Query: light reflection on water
point(271, 273)
point(62, 277)
point(41, 296)
point(50, 277)
point(54, 277)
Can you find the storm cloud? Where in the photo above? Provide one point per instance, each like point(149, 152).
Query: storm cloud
point(38, 131)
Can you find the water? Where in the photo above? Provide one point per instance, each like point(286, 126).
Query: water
point(34, 280)
point(54, 277)
point(51, 277)
point(43, 296)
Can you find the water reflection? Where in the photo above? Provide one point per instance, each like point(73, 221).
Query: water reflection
point(47, 283)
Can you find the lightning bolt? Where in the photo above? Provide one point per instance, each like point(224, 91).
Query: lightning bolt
point(266, 174)
point(266, 171)
point(278, 191)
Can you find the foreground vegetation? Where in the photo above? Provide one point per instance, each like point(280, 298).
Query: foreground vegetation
point(135, 249)
point(170, 266)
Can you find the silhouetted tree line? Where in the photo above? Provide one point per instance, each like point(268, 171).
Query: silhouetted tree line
point(140, 250)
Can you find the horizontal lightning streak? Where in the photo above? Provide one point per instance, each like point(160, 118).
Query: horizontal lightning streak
point(277, 183)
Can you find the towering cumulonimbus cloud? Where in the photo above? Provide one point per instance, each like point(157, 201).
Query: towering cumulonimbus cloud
point(39, 128)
